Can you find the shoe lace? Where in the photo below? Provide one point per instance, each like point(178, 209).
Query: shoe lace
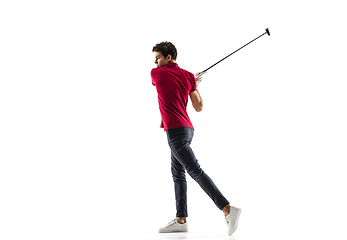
point(173, 222)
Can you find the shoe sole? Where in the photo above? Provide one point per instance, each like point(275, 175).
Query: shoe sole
point(237, 220)
point(173, 231)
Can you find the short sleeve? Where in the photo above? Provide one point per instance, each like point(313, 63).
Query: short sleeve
point(193, 82)
point(153, 81)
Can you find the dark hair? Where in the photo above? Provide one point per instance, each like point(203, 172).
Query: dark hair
point(166, 48)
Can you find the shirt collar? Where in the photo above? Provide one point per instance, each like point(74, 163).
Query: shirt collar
point(171, 64)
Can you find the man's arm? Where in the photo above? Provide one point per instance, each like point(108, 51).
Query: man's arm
point(196, 100)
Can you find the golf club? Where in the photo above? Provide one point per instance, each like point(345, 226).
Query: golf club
point(266, 32)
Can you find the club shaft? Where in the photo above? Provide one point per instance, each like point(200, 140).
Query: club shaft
point(234, 52)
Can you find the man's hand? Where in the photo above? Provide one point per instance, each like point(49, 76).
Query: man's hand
point(198, 77)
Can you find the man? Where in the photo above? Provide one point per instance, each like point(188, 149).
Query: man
point(174, 85)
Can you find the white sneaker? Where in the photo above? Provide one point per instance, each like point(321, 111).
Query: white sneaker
point(174, 226)
point(233, 219)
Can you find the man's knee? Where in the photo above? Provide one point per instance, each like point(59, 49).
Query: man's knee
point(195, 171)
point(179, 179)
point(178, 176)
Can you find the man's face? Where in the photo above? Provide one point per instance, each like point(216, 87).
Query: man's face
point(160, 60)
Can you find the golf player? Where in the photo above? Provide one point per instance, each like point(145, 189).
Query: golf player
point(174, 85)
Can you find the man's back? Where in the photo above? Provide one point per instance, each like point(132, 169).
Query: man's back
point(173, 86)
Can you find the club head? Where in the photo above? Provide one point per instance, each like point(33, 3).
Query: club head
point(267, 31)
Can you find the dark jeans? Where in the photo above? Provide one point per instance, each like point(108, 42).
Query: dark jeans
point(183, 158)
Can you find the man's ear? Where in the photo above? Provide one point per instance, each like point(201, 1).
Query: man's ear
point(168, 58)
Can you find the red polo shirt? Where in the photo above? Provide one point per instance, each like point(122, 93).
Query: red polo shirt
point(173, 86)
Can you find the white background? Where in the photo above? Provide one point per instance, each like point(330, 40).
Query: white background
point(82, 154)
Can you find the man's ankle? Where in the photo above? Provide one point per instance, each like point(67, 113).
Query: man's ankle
point(226, 210)
point(181, 220)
